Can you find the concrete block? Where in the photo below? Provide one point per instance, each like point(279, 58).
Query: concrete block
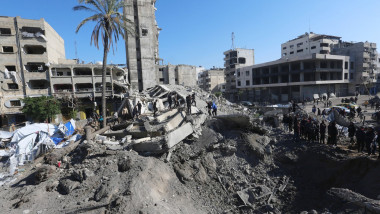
point(178, 135)
point(166, 115)
point(175, 121)
point(194, 110)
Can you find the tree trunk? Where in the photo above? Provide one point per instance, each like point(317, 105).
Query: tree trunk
point(104, 75)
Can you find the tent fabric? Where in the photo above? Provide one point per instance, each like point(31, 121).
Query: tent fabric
point(70, 126)
point(56, 140)
point(6, 135)
point(19, 134)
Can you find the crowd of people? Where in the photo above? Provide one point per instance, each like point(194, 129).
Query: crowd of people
point(309, 129)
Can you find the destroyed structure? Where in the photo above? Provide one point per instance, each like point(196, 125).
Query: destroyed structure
point(176, 161)
point(311, 64)
point(143, 54)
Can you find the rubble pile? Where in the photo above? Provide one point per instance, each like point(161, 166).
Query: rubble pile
point(175, 161)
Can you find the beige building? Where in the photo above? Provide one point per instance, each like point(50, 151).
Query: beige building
point(177, 75)
point(233, 60)
point(27, 48)
point(212, 80)
point(309, 43)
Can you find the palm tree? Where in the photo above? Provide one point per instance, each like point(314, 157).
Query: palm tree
point(110, 24)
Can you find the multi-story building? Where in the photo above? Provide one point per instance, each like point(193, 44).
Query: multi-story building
point(212, 80)
point(309, 43)
point(142, 46)
point(233, 60)
point(363, 61)
point(177, 75)
point(27, 49)
point(307, 68)
point(80, 85)
point(295, 78)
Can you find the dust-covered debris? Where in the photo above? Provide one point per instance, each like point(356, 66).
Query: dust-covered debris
point(183, 160)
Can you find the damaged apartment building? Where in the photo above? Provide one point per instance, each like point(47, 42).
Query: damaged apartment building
point(33, 63)
point(144, 65)
point(311, 64)
point(212, 80)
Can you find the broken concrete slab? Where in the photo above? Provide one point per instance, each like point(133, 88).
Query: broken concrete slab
point(153, 145)
point(175, 121)
point(178, 135)
point(166, 115)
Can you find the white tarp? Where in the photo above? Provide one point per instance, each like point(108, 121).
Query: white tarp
point(5, 135)
point(33, 128)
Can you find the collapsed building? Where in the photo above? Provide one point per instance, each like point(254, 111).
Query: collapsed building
point(144, 64)
point(175, 161)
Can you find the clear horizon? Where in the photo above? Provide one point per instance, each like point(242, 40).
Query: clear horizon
point(198, 32)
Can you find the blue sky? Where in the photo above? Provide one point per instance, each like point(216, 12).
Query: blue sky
point(197, 32)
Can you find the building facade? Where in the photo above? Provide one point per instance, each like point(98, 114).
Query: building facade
point(233, 60)
point(309, 43)
point(177, 75)
point(28, 47)
point(212, 80)
point(312, 64)
point(142, 45)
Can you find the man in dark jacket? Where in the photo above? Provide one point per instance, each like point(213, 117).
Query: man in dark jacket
point(170, 101)
point(360, 138)
point(333, 133)
point(322, 131)
point(370, 135)
point(290, 123)
point(155, 109)
point(188, 103)
point(351, 133)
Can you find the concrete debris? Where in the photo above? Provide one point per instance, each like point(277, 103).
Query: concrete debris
point(180, 159)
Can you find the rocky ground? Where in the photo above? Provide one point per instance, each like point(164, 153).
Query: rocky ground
point(225, 169)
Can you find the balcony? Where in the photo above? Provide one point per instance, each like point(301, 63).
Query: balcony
point(33, 33)
point(63, 88)
point(82, 72)
point(61, 72)
point(83, 87)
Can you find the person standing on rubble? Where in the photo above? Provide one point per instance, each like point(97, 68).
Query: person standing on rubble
point(188, 104)
point(155, 108)
point(209, 107)
point(314, 109)
point(214, 109)
point(170, 100)
point(134, 112)
point(351, 133)
point(322, 132)
point(360, 138)
point(333, 133)
point(176, 103)
point(370, 136)
point(139, 107)
point(290, 123)
point(316, 131)
point(285, 121)
point(193, 99)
